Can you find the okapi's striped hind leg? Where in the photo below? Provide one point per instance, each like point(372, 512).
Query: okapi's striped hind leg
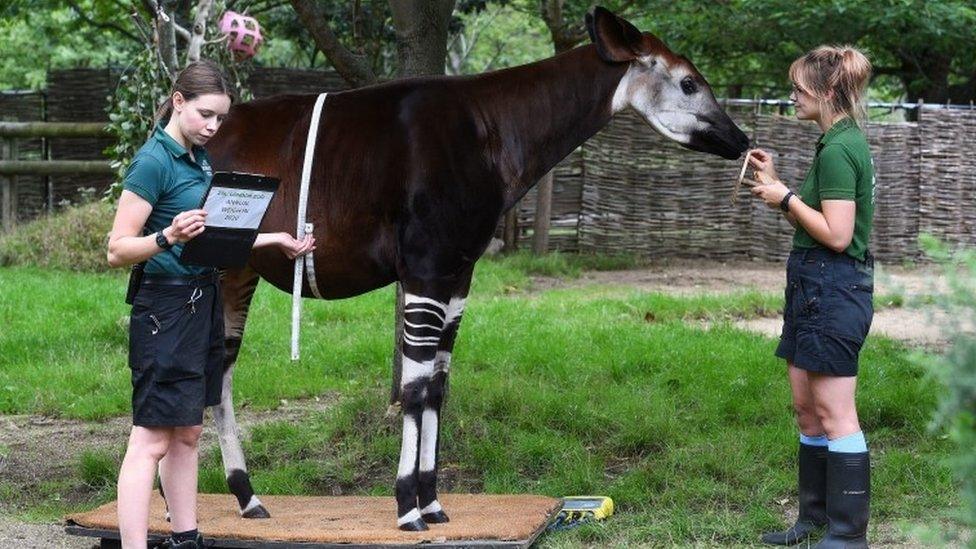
point(238, 286)
point(424, 319)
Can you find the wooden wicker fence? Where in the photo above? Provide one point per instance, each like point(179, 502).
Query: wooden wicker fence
point(639, 193)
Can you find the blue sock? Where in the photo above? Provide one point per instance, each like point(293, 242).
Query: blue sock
point(851, 444)
point(819, 440)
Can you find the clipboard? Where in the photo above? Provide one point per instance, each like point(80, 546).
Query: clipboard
point(236, 204)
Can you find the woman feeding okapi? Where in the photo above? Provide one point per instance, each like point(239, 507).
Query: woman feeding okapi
point(829, 287)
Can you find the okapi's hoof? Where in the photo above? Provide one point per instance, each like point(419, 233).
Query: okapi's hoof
point(256, 512)
point(437, 517)
point(416, 525)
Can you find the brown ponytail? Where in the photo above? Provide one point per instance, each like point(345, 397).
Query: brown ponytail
point(843, 70)
point(198, 78)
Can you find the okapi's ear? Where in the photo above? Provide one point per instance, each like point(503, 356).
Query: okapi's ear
point(616, 40)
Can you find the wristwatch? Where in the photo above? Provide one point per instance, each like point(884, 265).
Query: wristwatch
point(785, 203)
point(162, 242)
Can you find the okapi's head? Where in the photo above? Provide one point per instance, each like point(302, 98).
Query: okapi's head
point(665, 88)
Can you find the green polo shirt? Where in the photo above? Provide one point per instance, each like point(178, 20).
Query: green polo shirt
point(163, 174)
point(842, 169)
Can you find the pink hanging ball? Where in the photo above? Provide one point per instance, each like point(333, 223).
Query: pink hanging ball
point(243, 34)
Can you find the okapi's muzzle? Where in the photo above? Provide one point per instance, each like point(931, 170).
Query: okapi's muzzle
point(720, 137)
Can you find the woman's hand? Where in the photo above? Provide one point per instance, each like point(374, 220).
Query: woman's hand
point(290, 246)
point(762, 162)
point(186, 225)
point(771, 192)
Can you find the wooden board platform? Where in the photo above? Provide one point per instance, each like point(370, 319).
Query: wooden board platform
point(349, 522)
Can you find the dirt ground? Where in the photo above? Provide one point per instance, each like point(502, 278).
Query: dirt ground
point(914, 323)
point(36, 449)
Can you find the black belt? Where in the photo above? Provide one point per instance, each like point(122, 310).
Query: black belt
point(824, 253)
point(181, 280)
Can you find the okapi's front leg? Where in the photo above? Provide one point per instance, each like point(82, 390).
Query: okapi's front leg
point(423, 324)
point(238, 288)
point(430, 508)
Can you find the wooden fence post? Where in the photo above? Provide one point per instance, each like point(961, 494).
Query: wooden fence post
point(510, 232)
point(543, 212)
point(8, 209)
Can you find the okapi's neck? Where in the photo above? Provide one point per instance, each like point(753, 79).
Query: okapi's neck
point(539, 113)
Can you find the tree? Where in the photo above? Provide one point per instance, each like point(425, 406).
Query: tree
point(420, 29)
point(352, 40)
point(926, 46)
point(421, 33)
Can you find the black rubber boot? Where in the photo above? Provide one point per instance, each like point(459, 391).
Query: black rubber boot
point(812, 483)
point(188, 544)
point(848, 501)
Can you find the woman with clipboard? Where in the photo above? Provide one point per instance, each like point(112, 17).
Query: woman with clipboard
point(176, 330)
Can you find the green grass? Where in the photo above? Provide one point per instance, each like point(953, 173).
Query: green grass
point(98, 468)
point(566, 264)
point(689, 431)
point(563, 392)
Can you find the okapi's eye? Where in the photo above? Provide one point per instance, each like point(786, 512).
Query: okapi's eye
point(688, 85)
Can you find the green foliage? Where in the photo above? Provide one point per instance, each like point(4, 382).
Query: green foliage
point(956, 369)
point(500, 35)
point(745, 47)
point(131, 111)
point(919, 48)
point(38, 35)
point(74, 239)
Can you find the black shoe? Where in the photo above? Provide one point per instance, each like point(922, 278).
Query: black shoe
point(848, 501)
point(812, 483)
point(188, 544)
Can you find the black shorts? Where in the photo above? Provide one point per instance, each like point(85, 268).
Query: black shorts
point(176, 352)
point(828, 311)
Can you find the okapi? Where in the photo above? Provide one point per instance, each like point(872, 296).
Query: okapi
point(409, 182)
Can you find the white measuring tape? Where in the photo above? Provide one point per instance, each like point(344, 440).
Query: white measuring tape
point(303, 228)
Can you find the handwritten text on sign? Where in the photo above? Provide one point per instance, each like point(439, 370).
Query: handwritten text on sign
point(236, 208)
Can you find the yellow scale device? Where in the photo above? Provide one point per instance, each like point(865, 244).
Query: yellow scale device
point(581, 509)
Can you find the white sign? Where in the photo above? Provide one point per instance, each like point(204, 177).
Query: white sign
point(236, 208)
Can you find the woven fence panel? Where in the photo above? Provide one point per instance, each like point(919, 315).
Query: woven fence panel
point(265, 82)
point(31, 190)
point(21, 107)
point(567, 193)
point(895, 147)
point(79, 95)
point(791, 144)
point(645, 195)
point(947, 180)
point(631, 201)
